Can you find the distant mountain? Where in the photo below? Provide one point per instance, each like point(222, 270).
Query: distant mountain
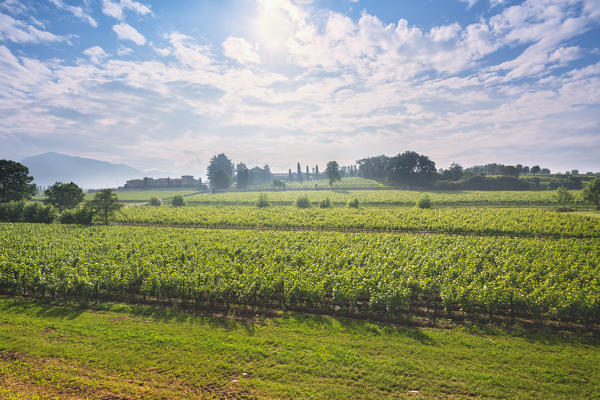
point(88, 173)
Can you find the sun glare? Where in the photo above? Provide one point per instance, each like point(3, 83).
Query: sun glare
point(273, 26)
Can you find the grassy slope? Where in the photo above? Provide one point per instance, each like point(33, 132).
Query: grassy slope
point(142, 352)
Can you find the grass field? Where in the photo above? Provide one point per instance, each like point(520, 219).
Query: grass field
point(133, 352)
point(344, 183)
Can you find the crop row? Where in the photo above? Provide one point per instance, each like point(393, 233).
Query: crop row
point(385, 197)
point(499, 221)
point(383, 273)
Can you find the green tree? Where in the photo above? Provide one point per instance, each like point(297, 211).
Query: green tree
point(242, 175)
point(591, 192)
point(154, 201)
point(220, 172)
point(64, 196)
point(299, 173)
point(105, 203)
point(333, 172)
point(177, 201)
point(535, 169)
point(562, 195)
point(15, 182)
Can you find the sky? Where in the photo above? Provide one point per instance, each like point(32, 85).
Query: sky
point(165, 85)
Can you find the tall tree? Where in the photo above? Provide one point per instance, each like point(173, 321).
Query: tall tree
point(290, 176)
point(307, 174)
point(299, 173)
point(64, 195)
point(333, 172)
point(105, 203)
point(591, 192)
point(535, 169)
point(15, 182)
point(242, 175)
point(316, 172)
point(223, 179)
point(411, 168)
point(454, 173)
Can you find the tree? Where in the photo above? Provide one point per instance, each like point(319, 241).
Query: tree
point(562, 195)
point(535, 169)
point(299, 173)
point(242, 175)
point(545, 171)
point(177, 201)
point(15, 182)
point(591, 192)
point(525, 170)
point(316, 172)
point(411, 168)
point(454, 173)
point(64, 196)
point(307, 174)
point(510, 170)
point(290, 176)
point(333, 172)
point(220, 171)
point(105, 203)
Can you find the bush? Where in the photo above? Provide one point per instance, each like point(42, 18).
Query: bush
point(37, 212)
point(562, 195)
point(156, 202)
point(177, 201)
point(325, 203)
point(278, 183)
point(353, 203)
point(262, 201)
point(81, 216)
point(303, 202)
point(424, 202)
point(11, 211)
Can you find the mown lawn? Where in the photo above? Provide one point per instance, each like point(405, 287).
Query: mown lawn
point(123, 351)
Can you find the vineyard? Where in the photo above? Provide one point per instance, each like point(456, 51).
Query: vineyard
point(386, 197)
point(344, 183)
point(500, 221)
point(379, 273)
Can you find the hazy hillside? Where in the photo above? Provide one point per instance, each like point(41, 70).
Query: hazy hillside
point(48, 168)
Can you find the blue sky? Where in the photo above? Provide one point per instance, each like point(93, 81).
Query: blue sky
point(165, 85)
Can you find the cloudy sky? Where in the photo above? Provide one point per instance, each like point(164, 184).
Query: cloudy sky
point(164, 85)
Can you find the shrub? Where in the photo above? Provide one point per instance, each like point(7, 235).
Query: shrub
point(11, 211)
point(353, 203)
point(262, 201)
point(177, 201)
point(156, 202)
point(303, 202)
point(37, 212)
point(562, 195)
point(81, 215)
point(424, 202)
point(325, 203)
point(278, 183)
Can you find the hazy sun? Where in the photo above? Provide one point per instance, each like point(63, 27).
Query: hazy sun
point(273, 25)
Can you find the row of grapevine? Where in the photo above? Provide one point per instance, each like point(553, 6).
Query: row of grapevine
point(384, 273)
point(386, 197)
point(501, 221)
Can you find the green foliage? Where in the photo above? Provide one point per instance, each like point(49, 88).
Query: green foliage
point(278, 183)
point(563, 195)
point(37, 212)
point(63, 195)
point(303, 202)
point(105, 204)
point(177, 201)
point(424, 202)
point(355, 272)
point(220, 172)
point(333, 172)
point(480, 220)
point(262, 201)
point(81, 215)
point(325, 203)
point(353, 203)
point(156, 202)
point(12, 211)
point(242, 176)
point(591, 192)
point(15, 182)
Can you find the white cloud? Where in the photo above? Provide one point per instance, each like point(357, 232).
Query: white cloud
point(96, 54)
point(127, 32)
point(470, 3)
point(76, 11)
point(124, 51)
point(116, 9)
point(241, 50)
point(21, 32)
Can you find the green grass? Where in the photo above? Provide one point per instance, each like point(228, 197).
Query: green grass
point(121, 351)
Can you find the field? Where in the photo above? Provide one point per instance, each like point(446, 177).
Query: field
point(386, 197)
point(486, 295)
point(344, 183)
